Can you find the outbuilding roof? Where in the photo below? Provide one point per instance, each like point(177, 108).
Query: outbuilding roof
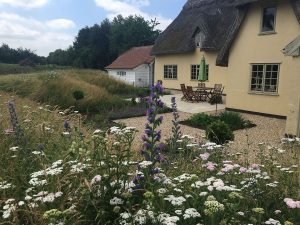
point(218, 21)
point(133, 58)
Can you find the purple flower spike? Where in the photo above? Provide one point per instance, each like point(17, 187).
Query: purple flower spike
point(151, 138)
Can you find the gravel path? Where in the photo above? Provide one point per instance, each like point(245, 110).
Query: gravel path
point(268, 130)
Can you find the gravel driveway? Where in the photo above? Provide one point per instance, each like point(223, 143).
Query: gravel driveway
point(268, 130)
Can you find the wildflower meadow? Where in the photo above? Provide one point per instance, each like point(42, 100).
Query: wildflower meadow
point(56, 171)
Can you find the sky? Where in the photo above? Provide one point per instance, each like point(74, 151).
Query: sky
point(46, 25)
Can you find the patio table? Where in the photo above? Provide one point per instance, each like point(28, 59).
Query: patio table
point(204, 88)
point(202, 93)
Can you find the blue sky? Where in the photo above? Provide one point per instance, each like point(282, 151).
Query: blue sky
point(46, 25)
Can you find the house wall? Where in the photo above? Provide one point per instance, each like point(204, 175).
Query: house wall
point(184, 62)
point(293, 102)
point(142, 75)
point(250, 47)
point(129, 78)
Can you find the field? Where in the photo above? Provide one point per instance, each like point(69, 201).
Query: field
point(57, 170)
point(17, 69)
point(103, 97)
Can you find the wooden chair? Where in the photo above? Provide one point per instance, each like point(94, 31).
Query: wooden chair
point(201, 85)
point(218, 87)
point(184, 92)
point(190, 93)
point(218, 90)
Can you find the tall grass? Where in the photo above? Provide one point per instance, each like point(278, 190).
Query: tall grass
point(101, 93)
point(6, 69)
point(113, 86)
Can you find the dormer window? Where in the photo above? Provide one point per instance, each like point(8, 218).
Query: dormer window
point(199, 38)
point(268, 19)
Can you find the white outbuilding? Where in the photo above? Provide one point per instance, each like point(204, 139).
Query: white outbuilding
point(136, 67)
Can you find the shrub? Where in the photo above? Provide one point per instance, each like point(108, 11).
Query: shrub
point(219, 132)
point(78, 94)
point(201, 120)
point(27, 62)
point(216, 99)
point(233, 119)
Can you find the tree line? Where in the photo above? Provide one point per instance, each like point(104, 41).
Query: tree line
point(94, 47)
point(14, 56)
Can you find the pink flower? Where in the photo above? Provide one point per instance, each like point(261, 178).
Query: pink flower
point(204, 156)
point(243, 170)
point(8, 131)
point(292, 204)
point(255, 166)
point(227, 168)
point(210, 166)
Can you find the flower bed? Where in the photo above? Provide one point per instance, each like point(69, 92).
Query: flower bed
point(96, 178)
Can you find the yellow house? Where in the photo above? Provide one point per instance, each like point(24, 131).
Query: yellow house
point(252, 47)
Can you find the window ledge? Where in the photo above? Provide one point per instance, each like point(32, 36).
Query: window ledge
point(267, 32)
point(263, 93)
point(170, 78)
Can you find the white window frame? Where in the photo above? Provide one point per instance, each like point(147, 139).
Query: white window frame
point(121, 73)
point(197, 72)
point(263, 91)
point(170, 72)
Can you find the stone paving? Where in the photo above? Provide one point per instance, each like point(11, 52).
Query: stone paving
point(190, 107)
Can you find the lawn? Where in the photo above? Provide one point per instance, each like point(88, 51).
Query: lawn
point(83, 176)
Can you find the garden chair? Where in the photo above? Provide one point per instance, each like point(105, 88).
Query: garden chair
point(190, 93)
point(201, 85)
point(184, 92)
point(218, 90)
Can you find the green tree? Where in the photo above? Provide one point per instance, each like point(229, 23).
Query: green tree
point(10, 55)
point(130, 32)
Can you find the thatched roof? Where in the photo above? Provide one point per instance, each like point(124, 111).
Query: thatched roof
point(218, 21)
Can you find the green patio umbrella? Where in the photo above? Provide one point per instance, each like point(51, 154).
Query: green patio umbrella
point(202, 70)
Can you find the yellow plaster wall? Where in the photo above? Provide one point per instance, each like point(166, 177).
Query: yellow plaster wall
point(184, 62)
point(293, 101)
point(251, 47)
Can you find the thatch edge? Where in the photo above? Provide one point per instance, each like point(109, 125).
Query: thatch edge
point(223, 56)
point(296, 8)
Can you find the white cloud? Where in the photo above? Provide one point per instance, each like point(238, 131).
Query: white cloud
point(61, 24)
point(24, 3)
point(39, 36)
point(131, 7)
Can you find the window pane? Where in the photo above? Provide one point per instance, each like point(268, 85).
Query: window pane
point(257, 77)
point(271, 82)
point(269, 68)
point(193, 72)
point(268, 20)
